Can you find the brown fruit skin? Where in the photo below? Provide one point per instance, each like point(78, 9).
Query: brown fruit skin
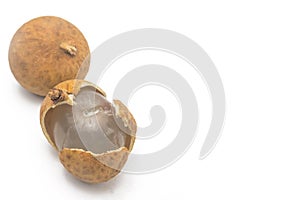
point(42, 54)
point(85, 165)
point(93, 168)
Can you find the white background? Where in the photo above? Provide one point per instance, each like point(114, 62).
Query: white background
point(255, 46)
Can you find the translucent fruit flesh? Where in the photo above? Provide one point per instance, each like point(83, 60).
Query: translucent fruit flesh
point(89, 124)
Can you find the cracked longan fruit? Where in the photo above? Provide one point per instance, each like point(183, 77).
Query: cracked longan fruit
point(46, 51)
point(93, 136)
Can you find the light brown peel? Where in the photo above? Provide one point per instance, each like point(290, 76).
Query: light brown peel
point(85, 165)
point(125, 119)
point(46, 51)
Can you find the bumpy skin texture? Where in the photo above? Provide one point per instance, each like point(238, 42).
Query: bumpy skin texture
point(46, 51)
point(85, 165)
point(93, 168)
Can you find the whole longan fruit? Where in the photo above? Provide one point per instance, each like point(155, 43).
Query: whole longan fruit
point(46, 51)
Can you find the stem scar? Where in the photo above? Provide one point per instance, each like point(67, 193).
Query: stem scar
point(70, 49)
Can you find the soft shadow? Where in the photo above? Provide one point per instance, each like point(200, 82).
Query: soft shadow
point(34, 99)
point(106, 187)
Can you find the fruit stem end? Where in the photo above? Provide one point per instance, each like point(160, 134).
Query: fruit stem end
point(70, 49)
